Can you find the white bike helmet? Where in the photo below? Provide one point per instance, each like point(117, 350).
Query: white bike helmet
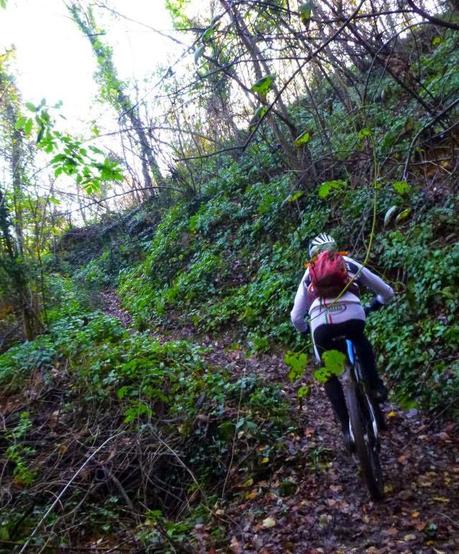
point(320, 243)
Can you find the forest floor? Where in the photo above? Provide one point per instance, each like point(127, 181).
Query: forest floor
point(315, 501)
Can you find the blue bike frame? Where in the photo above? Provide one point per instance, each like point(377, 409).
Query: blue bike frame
point(357, 371)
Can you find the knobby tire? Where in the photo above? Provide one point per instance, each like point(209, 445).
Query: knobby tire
point(366, 449)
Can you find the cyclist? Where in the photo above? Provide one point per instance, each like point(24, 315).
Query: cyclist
point(341, 316)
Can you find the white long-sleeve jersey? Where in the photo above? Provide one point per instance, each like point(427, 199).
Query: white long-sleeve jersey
point(329, 310)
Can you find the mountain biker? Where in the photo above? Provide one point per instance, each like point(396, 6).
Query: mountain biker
point(341, 316)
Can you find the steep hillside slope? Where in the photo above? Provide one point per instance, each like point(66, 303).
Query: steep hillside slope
point(232, 262)
point(158, 413)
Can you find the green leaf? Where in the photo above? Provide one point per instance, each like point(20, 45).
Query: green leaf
point(334, 365)
point(334, 361)
point(401, 187)
point(302, 139)
point(91, 187)
point(226, 430)
point(95, 150)
point(263, 85)
point(28, 125)
point(297, 363)
point(389, 215)
point(436, 41)
point(122, 392)
point(31, 107)
point(208, 34)
point(261, 111)
point(4, 533)
point(58, 158)
point(295, 196)
point(363, 133)
point(326, 188)
point(403, 215)
point(303, 392)
point(305, 11)
point(287, 487)
point(20, 122)
point(136, 410)
point(321, 375)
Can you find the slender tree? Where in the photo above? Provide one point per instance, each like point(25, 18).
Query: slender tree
point(114, 91)
point(14, 271)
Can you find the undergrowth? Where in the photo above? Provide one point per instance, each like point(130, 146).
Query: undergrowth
point(228, 262)
point(170, 420)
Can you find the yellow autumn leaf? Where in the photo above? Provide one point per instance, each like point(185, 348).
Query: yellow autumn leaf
point(247, 483)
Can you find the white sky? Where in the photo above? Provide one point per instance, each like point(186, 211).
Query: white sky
point(54, 60)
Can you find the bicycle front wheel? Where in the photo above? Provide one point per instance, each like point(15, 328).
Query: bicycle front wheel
point(366, 444)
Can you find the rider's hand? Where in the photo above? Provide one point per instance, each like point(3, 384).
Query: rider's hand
point(373, 307)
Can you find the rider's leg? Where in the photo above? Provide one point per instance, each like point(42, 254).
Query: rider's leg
point(356, 334)
point(353, 329)
point(335, 394)
point(323, 339)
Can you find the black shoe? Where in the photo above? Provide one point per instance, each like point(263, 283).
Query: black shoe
point(348, 442)
point(381, 421)
point(379, 393)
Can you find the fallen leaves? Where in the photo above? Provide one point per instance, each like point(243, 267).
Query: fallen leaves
point(314, 501)
point(251, 495)
point(235, 546)
point(268, 523)
point(442, 499)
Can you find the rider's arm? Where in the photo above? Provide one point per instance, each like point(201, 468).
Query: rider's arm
point(301, 306)
point(384, 292)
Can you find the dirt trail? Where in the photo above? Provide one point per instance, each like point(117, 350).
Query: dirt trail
point(315, 502)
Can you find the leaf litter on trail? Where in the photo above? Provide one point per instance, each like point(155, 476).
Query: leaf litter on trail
point(315, 502)
point(269, 522)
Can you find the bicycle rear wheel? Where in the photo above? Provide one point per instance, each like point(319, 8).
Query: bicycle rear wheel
point(366, 444)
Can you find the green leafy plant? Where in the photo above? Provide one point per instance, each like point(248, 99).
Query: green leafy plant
point(401, 187)
point(18, 453)
point(297, 363)
point(263, 85)
point(334, 366)
point(302, 139)
point(88, 165)
point(305, 11)
point(326, 188)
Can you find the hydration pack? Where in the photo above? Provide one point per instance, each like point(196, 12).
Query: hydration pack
point(329, 275)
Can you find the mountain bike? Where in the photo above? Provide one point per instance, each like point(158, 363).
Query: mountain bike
point(365, 422)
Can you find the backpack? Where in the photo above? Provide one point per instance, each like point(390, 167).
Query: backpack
point(328, 274)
